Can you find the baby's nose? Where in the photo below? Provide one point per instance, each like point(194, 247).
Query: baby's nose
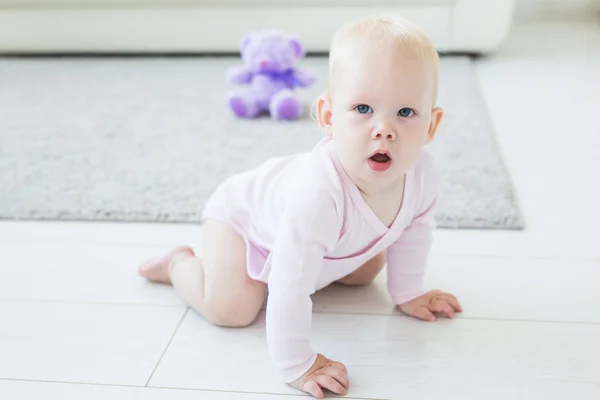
point(386, 132)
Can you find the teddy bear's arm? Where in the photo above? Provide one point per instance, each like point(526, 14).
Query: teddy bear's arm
point(304, 77)
point(239, 74)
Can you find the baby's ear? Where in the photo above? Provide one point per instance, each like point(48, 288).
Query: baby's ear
point(323, 114)
point(436, 118)
point(297, 46)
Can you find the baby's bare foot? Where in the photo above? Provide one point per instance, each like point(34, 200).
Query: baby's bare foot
point(157, 269)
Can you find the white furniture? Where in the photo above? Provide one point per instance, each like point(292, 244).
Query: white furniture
point(183, 26)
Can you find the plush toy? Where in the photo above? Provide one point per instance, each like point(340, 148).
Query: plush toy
point(269, 59)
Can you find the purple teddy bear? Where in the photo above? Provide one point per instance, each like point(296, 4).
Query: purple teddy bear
point(269, 57)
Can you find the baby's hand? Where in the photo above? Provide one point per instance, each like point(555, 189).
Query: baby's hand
point(425, 305)
point(324, 374)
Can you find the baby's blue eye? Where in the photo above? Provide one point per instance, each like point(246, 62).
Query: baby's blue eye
point(405, 112)
point(362, 108)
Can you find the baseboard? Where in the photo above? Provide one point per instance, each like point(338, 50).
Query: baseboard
point(461, 26)
point(531, 9)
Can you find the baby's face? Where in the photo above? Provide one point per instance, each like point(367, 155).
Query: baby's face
point(382, 113)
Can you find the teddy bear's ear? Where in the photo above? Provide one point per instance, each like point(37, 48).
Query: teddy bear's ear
point(297, 46)
point(245, 42)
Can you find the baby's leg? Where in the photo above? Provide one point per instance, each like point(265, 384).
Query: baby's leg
point(366, 273)
point(218, 286)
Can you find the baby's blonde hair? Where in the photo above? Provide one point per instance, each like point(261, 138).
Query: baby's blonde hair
point(400, 34)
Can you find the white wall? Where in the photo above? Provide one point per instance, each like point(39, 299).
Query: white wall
point(549, 7)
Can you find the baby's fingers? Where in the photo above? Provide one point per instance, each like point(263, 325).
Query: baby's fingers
point(328, 382)
point(453, 301)
point(340, 366)
point(338, 375)
point(440, 306)
point(421, 312)
point(311, 387)
point(317, 383)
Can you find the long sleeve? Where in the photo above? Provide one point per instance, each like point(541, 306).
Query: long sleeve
point(407, 257)
point(307, 229)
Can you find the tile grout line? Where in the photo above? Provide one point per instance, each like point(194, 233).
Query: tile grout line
point(373, 314)
point(433, 253)
point(524, 257)
point(70, 382)
point(170, 388)
point(272, 394)
point(94, 303)
point(460, 317)
point(167, 346)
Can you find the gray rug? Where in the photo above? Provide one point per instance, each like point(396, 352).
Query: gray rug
point(148, 139)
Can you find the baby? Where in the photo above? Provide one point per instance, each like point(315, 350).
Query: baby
point(362, 198)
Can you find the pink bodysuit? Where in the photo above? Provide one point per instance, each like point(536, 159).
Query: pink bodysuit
point(306, 225)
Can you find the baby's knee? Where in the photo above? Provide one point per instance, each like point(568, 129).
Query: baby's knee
point(228, 314)
point(356, 280)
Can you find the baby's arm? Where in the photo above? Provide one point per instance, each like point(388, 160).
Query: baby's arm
point(239, 74)
point(307, 229)
point(407, 257)
point(407, 260)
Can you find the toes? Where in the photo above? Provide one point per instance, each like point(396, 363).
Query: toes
point(156, 269)
point(177, 250)
point(147, 266)
point(153, 270)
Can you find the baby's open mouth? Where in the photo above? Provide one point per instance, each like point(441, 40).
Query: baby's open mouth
point(380, 161)
point(380, 158)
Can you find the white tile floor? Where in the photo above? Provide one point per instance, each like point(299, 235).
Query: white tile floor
point(76, 322)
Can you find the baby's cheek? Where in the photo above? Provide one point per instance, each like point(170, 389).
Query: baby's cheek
point(346, 128)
